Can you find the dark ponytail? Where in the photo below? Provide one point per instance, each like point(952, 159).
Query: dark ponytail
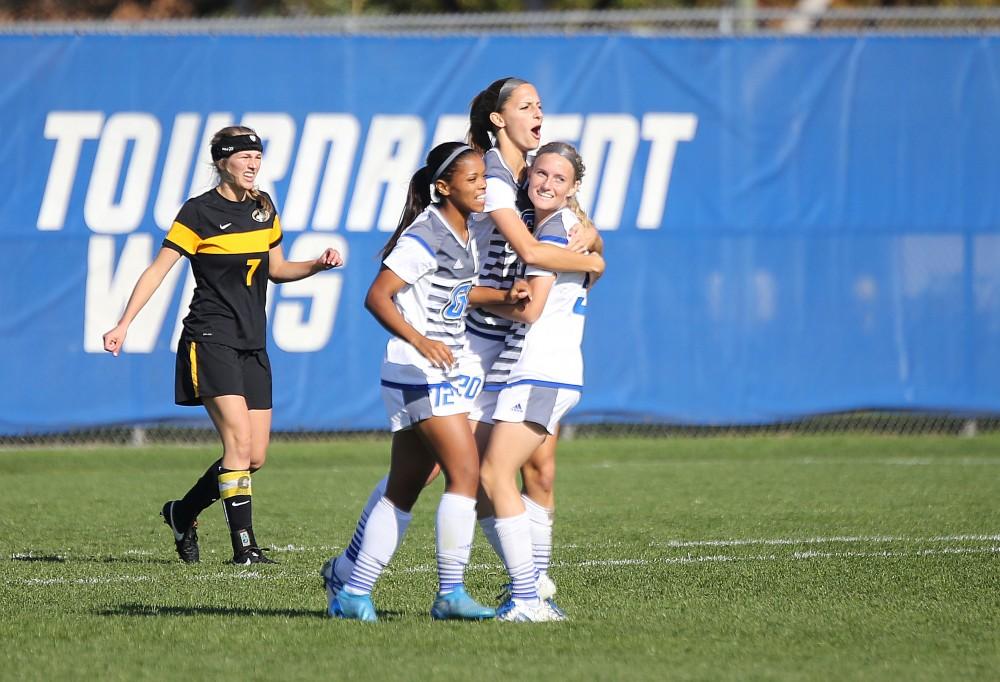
point(489, 101)
point(440, 165)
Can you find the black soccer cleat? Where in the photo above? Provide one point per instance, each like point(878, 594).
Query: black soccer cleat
point(185, 541)
point(251, 555)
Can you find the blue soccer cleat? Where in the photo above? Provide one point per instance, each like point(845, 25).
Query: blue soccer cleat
point(331, 582)
point(458, 605)
point(352, 607)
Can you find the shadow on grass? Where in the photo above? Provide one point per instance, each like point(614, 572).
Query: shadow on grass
point(44, 558)
point(156, 610)
point(107, 559)
point(130, 560)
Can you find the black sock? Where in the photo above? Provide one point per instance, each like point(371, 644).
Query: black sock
point(234, 489)
point(203, 494)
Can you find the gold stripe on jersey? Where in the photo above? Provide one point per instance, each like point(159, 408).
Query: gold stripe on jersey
point(275, 231)
point(184, 237)
point(238, 242)
point(194, 369)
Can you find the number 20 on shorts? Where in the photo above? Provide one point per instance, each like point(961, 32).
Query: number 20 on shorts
point(466, 386)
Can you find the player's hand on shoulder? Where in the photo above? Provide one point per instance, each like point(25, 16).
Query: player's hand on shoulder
point(114, 339)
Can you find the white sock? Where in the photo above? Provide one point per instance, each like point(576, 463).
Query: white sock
point(345, 562)
point(456, 524)
point(515, 539)
point(385, 530)
point(541, 533)
point(488, 524)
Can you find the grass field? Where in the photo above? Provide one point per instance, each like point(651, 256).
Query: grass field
point(865, 558)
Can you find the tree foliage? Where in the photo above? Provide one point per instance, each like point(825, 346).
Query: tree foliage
point(132, 10)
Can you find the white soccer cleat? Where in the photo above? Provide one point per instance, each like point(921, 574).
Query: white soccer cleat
point(517, 611)
point(545, 586)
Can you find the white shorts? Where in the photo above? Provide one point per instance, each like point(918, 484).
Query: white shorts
point(538, 404)
point(408, 404)
point(484, 351)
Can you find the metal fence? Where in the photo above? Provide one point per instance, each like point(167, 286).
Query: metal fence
point(706, 23)
point(851, 423)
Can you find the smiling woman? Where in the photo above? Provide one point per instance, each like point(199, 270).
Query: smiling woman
point(232, 236)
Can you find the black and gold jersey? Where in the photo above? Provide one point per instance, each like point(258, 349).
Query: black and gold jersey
point(227, 243)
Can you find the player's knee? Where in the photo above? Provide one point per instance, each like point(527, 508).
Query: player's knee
point(240, 446)
point(491, 477)
point(258, 457)
point(540, 479)
point(463, 476)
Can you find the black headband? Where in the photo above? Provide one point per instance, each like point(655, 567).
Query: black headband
point(508, 87)
point(230, 144)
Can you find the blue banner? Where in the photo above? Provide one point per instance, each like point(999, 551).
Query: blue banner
point(793, 225)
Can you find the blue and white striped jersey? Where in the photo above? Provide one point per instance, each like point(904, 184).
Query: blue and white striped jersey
point(548, 351)
point(497, 260)
point(439, 270)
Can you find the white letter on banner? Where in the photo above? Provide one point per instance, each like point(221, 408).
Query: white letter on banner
point(279, 132)
point(451, 128)
point(108, 291)
point(392, 154)
point(176, 170)
point(609, 174)
point(562, 128)
point(204, 171)
point(339, 133)
point(292, 331)
point(100, 210)
point(69, 129)
point(665, 131)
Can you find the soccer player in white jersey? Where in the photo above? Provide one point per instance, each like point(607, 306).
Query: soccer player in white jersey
point(539, 374)
point(505, 123)
point(428, 381)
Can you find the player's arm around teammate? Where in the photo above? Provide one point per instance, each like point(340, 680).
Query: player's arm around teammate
point(232, 237)
point(505, 119)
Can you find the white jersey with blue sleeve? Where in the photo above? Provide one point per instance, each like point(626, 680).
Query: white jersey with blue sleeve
point(548, 351)
point(439, 270)
point(498, 262)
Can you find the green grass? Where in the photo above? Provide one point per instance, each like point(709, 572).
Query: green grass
point(840, 558)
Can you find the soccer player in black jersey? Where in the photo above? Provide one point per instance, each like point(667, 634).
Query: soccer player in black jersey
point(232, 236)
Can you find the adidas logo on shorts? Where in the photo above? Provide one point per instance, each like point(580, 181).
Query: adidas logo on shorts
point(517, 408)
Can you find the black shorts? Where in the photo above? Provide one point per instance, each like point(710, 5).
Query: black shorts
point(208, 370)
